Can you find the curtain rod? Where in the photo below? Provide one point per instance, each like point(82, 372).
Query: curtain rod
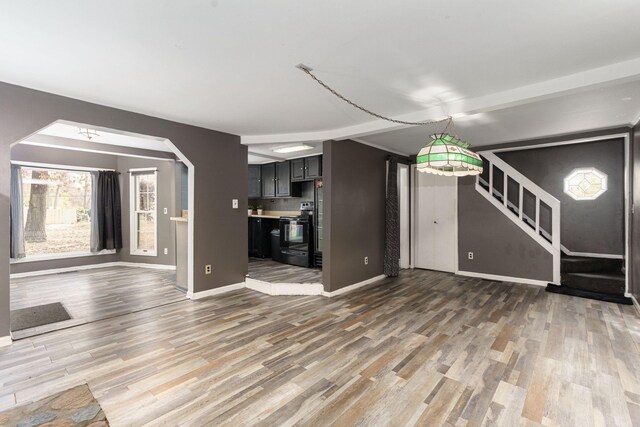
point(59, 167)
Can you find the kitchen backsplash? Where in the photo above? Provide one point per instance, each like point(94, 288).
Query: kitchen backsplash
point(286, 204)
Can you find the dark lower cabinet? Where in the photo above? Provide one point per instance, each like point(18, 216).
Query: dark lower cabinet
point(255, 181)
point(269, 180)
point(260, 236)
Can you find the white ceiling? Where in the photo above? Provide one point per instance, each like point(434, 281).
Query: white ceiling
point(527, 68)
point(71, 131)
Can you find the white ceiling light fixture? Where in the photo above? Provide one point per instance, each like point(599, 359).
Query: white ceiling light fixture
point(292, 148)
point(88, 133)
point(444, 155)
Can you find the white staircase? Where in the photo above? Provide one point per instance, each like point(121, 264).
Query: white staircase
point(513, 194)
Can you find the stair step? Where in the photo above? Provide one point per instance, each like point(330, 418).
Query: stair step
point(607, 283)
point(564, 290)
point(572, 264)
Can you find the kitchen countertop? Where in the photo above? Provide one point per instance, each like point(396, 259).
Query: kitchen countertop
point(178, 219)
point(275, 214)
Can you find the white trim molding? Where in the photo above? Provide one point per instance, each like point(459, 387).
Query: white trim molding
point(284, 288)
point(354, 286)
point(6, 341)
point(91, 267)
point(215, 291)
point(635, 302)
point(589, 254)
point(497, 278)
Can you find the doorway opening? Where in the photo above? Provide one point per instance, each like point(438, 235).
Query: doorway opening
point(98, 213)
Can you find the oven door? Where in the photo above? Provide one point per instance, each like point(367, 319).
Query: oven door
point(294, 234)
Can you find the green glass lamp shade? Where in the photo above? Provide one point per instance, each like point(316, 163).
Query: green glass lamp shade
point(447, 155)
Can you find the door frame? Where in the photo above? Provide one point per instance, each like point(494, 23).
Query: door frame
point(412, 225)
point(407, 215)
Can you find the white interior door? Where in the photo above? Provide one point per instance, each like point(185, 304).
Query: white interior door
point(435, 222)
point(403, 196)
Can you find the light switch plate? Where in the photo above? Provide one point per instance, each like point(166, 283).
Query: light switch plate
point(166, 211)
point(234, 203)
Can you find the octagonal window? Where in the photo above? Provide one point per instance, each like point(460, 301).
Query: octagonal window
point(585, 183)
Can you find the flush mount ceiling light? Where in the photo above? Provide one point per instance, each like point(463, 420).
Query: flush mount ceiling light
point(585, 183)
point(444, 155)
point(88, 133)
point(292, 148)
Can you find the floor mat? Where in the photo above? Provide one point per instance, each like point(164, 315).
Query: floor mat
point(73, 407)
point(39, 315)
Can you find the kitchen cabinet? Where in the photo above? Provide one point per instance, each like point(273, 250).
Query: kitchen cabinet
point(255, 181)
point(313, 167)
point(260, 236)
point(269, 180)
point(306, 169)
point(283, 179)
point(297, 170)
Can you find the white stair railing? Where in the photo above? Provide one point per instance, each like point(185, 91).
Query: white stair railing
point(548, 238)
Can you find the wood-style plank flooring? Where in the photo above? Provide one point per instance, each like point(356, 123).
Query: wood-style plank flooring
point(427, 348)
point(268, 270)
point(90, 295)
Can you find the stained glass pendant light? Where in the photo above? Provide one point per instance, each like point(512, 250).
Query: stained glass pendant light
point(447, 155)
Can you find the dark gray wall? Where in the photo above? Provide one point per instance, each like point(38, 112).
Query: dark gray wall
point(166, 199)
point(220, 175)
point(499, 246)
point(634, 286)
point(354, 189)
point(592, 226)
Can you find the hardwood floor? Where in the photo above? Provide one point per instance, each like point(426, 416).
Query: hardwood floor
point(268, 270)
point(91, 295)
point(427, 348)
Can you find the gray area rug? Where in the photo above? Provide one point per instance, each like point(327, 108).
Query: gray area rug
point(39, 315)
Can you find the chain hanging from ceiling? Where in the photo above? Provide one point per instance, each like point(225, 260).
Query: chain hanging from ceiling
point(309, 72)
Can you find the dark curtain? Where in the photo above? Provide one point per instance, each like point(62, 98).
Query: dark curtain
point(109, 212)
point(392, 222)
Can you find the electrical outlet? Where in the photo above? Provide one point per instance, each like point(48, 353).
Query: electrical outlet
point(470, 255)
point(166, 251)
point(207, 269)
point(166, 211)
point(366, 260)
point(234, 203)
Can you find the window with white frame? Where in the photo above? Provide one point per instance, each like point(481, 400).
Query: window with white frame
point(144, 230)
point(57, 206)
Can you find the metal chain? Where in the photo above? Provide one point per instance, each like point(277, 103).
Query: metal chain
point(307, 70)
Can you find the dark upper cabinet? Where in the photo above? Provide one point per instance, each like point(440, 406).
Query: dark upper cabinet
point(269, 180)
point(255, 181)
point(283, 179)
point(306, 168)
point(313, 167)
point(297, 169)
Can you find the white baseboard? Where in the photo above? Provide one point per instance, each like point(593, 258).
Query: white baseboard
point(354, 286)
point(215, 291)
point(5, 341)
point(635, 303)
point(145, 265)
point(503, 278)
point(589, 254)
point(270, 288)
point(91, 267)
